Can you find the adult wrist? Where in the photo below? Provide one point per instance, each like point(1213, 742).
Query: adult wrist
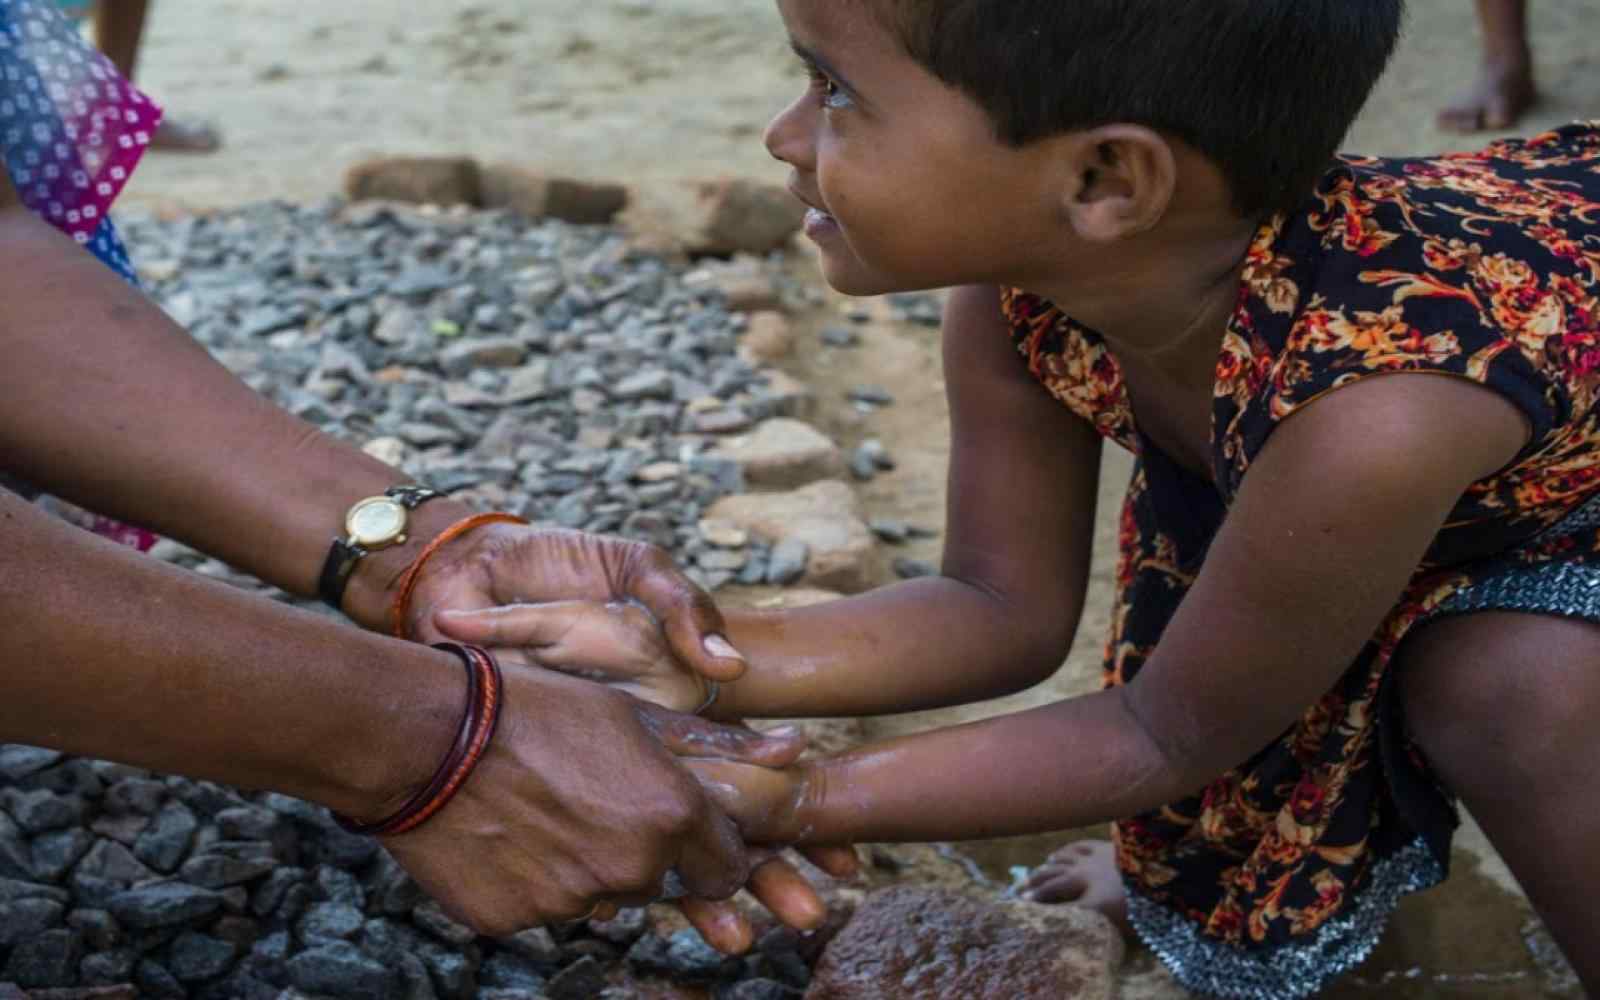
point(403, 721)
point(374, 583)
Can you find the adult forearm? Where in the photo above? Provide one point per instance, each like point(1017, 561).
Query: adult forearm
point(105, 401)
point(916, 645)
point(115, 655)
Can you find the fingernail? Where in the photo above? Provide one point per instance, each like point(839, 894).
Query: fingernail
point(717, 645)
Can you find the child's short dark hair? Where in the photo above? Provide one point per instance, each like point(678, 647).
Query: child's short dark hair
point(1266, 89)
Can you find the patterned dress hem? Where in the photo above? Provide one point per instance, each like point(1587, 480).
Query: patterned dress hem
point(1292, 971)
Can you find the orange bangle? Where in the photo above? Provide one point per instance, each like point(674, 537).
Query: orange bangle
point(400, 610)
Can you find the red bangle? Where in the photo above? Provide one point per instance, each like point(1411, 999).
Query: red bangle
point(400, 610)
point(484, 698)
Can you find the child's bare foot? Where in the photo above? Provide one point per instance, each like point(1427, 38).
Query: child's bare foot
point(1084, 873)
point(1496, 101)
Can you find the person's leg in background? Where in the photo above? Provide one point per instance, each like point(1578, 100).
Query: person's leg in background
point(118, 31)
point(1504, 88)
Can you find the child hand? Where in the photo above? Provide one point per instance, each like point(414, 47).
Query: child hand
point(619, 644)
point(770, 806)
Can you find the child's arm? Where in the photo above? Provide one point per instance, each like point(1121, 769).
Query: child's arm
point(1330, 523)
point(1023, 477)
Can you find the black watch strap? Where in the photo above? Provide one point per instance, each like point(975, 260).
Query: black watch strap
point(343, 554)
point(336, 571)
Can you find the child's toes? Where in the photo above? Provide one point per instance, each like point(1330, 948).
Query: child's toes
point(1059, 886)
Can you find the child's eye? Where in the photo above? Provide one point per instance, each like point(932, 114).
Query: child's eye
point(829, 93)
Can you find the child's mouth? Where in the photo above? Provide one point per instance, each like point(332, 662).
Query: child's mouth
point(819, 224)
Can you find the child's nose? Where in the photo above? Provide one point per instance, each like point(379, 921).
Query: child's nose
point(788, 136)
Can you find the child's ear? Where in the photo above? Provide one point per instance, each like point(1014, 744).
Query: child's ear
point(1120, 181)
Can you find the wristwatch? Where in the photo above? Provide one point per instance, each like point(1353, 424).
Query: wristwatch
point(372, 524)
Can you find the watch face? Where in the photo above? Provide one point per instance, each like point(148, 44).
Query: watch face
point(376, 521)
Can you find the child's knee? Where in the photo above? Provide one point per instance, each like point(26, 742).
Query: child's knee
point(1490, 696)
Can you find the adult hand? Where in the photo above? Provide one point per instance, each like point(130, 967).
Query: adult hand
point(503, 564)
point(579, 801)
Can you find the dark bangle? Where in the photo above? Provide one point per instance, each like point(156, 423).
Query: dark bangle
point(485, 686)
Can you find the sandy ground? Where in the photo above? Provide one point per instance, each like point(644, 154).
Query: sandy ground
point(655, 91)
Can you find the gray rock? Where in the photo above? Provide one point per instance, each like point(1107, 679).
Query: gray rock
point(142, 796)
point(493, 352)
point(534, 944)
point(684, 957)
point(108, 859)
point(18, 761)
point(16, 860)
point(272, 890)
point(339, 886)
point(166, 840)
point(107, 967)
point(47, 960)
point(23, 919)
point(215, 871)
point(421, 280)
point(393, 892)
point(415, 982)
point(787, 563)
point(164, 904)
point(325, 922)
point(840, 336)
point(154, 980)
point(624, 928)
point(42, 810)
point(871, 395)
point(581, 980)
point(910, 569)
point(508, 971)
point(862, 465)
point(94, 892)
point(893, 532)
point(247, 823)
point(454, 973)
point(12, 889)
point(431, 917)
point(195, 956)
point(653, 384)
point(340, 970)
point(54, 853)
point(98, 927)
point(872, 450)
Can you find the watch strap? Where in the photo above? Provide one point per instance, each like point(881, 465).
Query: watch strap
point(336, 570)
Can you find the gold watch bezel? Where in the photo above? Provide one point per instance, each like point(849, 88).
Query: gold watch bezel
point(394, 537)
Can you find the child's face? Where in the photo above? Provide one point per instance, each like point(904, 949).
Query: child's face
point(908, 184)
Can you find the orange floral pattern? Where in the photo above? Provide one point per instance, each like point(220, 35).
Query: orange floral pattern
point(1484, 266)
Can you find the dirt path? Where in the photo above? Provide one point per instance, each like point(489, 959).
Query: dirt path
point(651, 91)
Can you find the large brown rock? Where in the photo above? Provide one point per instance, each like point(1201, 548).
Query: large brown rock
point(782, 454)
point(432, 180)
point(908, 943)
point(734, 215)
point(540, 196)
point(826, 516)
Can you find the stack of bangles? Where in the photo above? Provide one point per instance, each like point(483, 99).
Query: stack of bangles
point(484, 697)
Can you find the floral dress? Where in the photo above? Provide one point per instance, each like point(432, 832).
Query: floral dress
point(1282, 873)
